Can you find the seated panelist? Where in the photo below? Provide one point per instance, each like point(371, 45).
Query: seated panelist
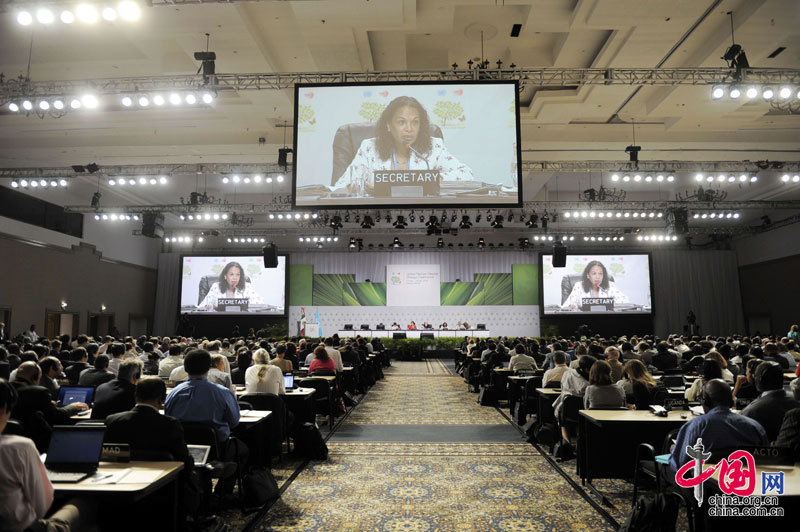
point(231, 284)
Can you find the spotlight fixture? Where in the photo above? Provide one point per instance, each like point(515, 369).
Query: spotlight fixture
point(367, 223)
point(481, 243)
point(533, 221)
point(497, 223)
point(400, 223)
point(433, 226)
point(440, 242)
point(336, 222)
point(465, 223)
point(396, 243)
point(95, 200)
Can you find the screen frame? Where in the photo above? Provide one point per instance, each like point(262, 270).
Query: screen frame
point(236, 314)
point(300, 86)
point(543, 314)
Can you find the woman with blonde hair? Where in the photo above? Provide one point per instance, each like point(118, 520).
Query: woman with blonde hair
point(261, 377)
point(638, 383)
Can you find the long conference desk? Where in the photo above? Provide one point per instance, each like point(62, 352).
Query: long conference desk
point(437, 333)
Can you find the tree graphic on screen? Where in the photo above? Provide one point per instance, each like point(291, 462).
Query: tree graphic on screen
point(448, 110)
point(371, 111)
point(305, 113)
point(617, 269)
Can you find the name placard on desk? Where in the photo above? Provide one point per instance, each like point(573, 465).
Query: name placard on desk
point(597, 304)
point(406, 183)
point(232, 304)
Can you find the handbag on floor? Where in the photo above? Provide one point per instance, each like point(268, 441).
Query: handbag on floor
point(657, 512)
point(563, 450)
point(308, 442)
point(259, 487)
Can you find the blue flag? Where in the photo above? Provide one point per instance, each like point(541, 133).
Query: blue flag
point(316, 316)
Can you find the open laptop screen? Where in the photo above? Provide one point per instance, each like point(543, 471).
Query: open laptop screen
point(75, 445)
point(75, 394)
point(288, 381)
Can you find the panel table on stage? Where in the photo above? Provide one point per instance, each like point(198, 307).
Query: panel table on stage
point(415, 334)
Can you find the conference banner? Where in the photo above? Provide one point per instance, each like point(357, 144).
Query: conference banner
point(412, 285)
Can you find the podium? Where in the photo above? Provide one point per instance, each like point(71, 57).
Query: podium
point(312, 329)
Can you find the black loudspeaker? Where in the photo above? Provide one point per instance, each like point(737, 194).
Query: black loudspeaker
point(153, 224)
point(270, 256)
point(559, 256)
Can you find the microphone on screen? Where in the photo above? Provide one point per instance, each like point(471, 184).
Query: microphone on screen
point(418, 154)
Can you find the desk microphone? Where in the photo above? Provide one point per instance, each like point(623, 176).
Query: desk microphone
point(418, 154)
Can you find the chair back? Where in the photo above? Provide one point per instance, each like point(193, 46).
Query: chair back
point(572, 404)
point(322, 393)
point(348, 139)
point(273, 403)
point(323, 372)
point(14, 427)
point(197, 433)
point(245, 405)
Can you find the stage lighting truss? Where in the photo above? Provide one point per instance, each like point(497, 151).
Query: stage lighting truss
point(642, 177)
point(657, 238)
point(42, 184)
point(85, 14)
point(787, 178)
point(137, 181)
point(59, 105)
point(116, 217)
point(293, 217)
point(183, 239)
point(244, 240)
point(545, 238)
point(257, 179)
point(203, 216)
point(722, 178)
point(612, 215)
point(716, 216)
point(778, 95)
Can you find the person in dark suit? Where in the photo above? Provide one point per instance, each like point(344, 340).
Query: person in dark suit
point(97, 375)
point(51, 370)
point(80, 362)
point(663, 359)
point(144, 428)
point(119, 394)
point(789, 435)
point(35, 410)
point(773, 402)
point(147, 432)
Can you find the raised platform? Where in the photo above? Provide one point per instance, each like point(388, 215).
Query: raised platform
point(416, 334)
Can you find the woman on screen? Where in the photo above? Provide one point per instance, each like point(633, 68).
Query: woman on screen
point(594, 284)
point(231, 284)
point(403, 141)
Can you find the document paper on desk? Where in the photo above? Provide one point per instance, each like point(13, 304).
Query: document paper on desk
point(141, 476)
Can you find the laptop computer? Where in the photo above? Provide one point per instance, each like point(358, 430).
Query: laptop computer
point(75, 394)
point(288, 382)
point(74, 452)
point(199, 454)
point(674, 383)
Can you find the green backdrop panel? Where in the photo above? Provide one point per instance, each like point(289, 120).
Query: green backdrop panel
point(329, 288)
point(460, 293)
point(526, 284)
point(497, 288)
point(301, 281)
point(364, 294)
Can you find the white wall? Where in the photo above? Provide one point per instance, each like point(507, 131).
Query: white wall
point(775, 244)
point(113, 241)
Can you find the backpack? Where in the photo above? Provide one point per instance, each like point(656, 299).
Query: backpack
point(259, 487)
point(655, 512)
point(563, 450)
point(545, 434)
point(487, 396)
point(308, 442)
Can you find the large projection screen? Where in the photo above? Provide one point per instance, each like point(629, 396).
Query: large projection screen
point(232, 285)
point(597, 284)
point(438, 144)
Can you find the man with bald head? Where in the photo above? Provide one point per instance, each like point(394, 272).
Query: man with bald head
point(34, 398)
point(720, 428)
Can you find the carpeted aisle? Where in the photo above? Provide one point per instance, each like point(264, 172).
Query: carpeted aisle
point(418, 454)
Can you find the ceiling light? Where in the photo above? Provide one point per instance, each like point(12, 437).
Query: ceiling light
point(109, 14)
point(268, 179)
point(158, 99)
point(785, 93)
point(129, 11)
point(142, 180)
point(131, 181)
point(796, 178)
point(698, 177)
point(27, 105)
point(768, 93)
point(257, 178)
point(710, 178)
point(753, 179)
point(751, 92)
point(191, 99)
point(34, 183)
point(731, 178)
point(175, 98)
point(127, 101)
point(615, 177)
point(144, 101)
point(637, 178)
point(246, 179)
point(75, 103)
point(670, 178)
point(721, 178)
point(649, 178)
point(13, 107)
point(236, 179)
point(86, 13)
point(44, 16)
point(58, 104)
point(90, 101)
point(626, 178)
point(24, 18)
point(44, 105)
point(23, 183)
point(735, 92)
point(162, 180)
point(785, 178)
point(208, 97)
point(743, 178)
point(279, 178)
point(225, 180)
point(67, 17)
point(717, 92)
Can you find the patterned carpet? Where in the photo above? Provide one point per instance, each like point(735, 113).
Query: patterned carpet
point(418, 400)
point(432, 366)
point(423, 487)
